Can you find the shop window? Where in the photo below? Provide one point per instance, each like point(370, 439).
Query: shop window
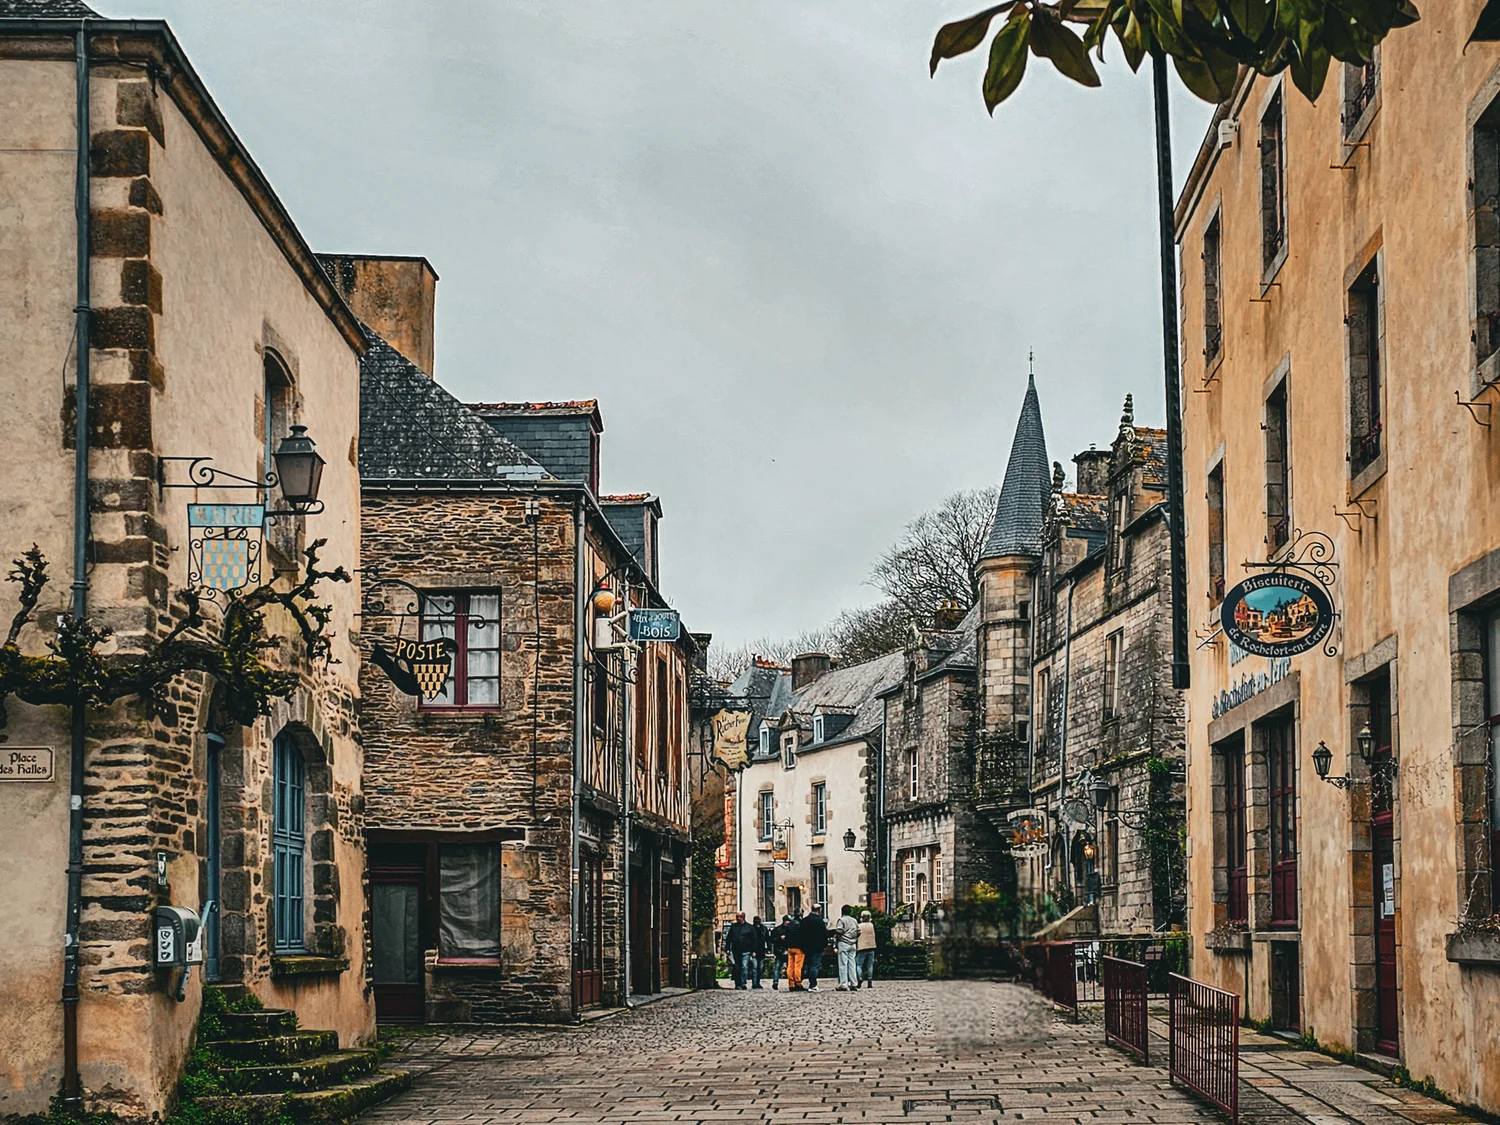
point(288, 843)
point(1215, 498)
point(1273, 185)
point(1112, 646)
point(472, 622)
point(469, 902)
point(1278, 471)
point(820, 809)
point(1213, 320)
point(1281, 757)
point(1363, 328)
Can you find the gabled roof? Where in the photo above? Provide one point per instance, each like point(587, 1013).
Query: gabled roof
point(582, 407)
point(1085, 513)
point(1017, 527)
point(1151, 448)
point(765, 687)
point(46, 10)
point(854, 689)
point(411, 429)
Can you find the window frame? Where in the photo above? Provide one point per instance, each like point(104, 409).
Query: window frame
point(767, 811)
point(1365, 358)
point(1279, 741)
point(766, 879)
point(818, 728)
point(1114, 645)
point(820, 884)
point(1278, 421)
point(1217, 551)
point(789, 750)
point(289, 844)
point(458, 673)
point(1236, 834)
point(820, 808)
point(1273, 184)
point(1213, 289)
point(914, 772)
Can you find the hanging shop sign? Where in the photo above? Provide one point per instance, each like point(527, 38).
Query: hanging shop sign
point(780, 851)
point(730, 728)
point(655, 625)
point(418, 668)
point(1028, 833)
point(224, 546)
point(1277, 614)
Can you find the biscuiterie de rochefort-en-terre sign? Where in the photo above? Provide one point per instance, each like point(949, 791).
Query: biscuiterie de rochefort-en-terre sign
point(1277, 614)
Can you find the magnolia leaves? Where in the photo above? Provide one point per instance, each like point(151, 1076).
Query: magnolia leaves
point(1209, 41)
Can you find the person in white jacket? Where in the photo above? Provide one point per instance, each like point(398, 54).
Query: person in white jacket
point(845, 937)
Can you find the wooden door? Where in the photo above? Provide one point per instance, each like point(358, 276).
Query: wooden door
point(396, 895)
point(1387, 1034)
point(589, 956)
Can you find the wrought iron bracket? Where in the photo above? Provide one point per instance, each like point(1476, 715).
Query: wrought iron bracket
point(201, 474)
point(1214, 637)
point(1346, 166)
point(1473, 408)
point(1381, 774)
point(1263, 299)
point(1311, 552)
point(1358, 515)
point(413, 607)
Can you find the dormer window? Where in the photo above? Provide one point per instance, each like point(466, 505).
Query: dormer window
point(789, 750)
point(817, 728)
point(765, 741)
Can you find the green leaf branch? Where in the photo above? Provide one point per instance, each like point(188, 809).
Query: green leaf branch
point(76, 673)
point(1209, 41)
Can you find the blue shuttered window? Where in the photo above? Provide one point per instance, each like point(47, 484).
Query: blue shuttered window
point(288, 843)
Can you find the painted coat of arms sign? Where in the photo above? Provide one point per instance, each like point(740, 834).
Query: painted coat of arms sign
point(418, 668)
point(224, 546)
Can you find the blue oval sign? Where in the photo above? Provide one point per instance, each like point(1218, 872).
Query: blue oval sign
point(1277, 614)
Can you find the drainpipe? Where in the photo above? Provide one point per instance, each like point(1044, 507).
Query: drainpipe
point(72, 1088)
point(1062, 734)
point(581, 590)
point(627, 790)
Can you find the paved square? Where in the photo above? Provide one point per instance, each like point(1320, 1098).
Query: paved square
point(903, 1052)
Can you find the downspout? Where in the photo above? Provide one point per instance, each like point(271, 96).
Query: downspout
point(627, 791)
point(1062, 734)
point(581, 590)
point(882, 827)
point(72, 1088)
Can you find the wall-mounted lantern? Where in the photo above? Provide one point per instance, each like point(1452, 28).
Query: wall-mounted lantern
point(299, 470)
point(1380, 772)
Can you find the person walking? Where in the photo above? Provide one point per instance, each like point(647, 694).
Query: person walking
point(865, 952)
point(845, 934)
point(738, 943)
point(757, 954)
point(778, 937)
point(794, 954)
point(812, 935)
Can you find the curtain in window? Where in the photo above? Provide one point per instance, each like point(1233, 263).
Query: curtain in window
point(469, 886)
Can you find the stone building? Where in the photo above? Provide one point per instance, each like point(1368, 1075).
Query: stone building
point(211, 330)
point(1107, 726)
point(761, 690)
point(527, 824)
point(1339, 296)
point(813, 776)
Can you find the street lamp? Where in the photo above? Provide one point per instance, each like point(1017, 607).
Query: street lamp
point(1102, 791)
point(1322, 761)
point(849, 839)
point(299, 469)
point(1366, 741)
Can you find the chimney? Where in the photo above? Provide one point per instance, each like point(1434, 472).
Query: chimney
point(1093, 467)
point(808, 668)
point(949, 615)
point(395, 297)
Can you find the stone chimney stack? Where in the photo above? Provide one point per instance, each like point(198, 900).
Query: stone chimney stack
point(1093, 466)
point(395, 296)
point(808, 668)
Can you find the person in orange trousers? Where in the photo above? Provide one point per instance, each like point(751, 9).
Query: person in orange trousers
point(793, 968)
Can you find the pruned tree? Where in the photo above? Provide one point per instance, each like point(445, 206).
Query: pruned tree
point(870, 631)
point(1208, 41)
point(75, 673)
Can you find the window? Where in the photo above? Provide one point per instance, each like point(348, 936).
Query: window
point(767, 814)
point(767, 878)
point(601, 685)
point(1023, 611)
point(642, 707)
point(1112, 644)
point(1023, 729)
point(1361, 81)
point(1273, 184)
point(1282, 760)
point(765, 739)
point(912, 773)
point(1485, 232)
point(1044, 705)
point(1278, 471)
point(1213, 317)
point(663, 717)
point(1121, 507)
point(472, 622)
point(1363, 327)
point(820, 887)
point(820, 809)
point(276, 418)
point(817, 728)
point(1236, 852)
point(909, 878)
point(1492, 687)
point(469, 902)
point(288, 843)
point(789, 750)
point(937, 876)
point(1215, 498)
point(1109, 843)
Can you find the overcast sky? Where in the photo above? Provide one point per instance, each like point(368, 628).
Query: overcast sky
point(800, 276)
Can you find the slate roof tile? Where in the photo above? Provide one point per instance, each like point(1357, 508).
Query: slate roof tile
point(1022, 507)
point(46, 10)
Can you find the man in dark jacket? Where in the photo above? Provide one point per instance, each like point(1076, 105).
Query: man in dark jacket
point(778, 937)
point(739, 940)
point(812, 939)
point(758, 942)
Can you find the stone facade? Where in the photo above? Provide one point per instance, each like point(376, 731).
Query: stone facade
point(205, 298)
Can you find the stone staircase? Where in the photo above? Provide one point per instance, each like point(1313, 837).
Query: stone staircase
point(262, 1069)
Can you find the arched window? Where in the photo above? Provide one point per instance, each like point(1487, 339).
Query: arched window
point(288, 843)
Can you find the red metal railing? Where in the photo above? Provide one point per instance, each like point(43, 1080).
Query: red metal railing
point(1205, 1042)
point(1125, 992)
point(1062, 975)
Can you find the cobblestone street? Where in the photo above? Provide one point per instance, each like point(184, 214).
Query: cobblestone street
point(902, 1052)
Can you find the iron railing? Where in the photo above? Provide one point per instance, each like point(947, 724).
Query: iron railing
point(1125, 1005)
point(1062, 975)
point(1204, 1039)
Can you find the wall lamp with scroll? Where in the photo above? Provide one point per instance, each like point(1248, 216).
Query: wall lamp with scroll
point(1382, 770)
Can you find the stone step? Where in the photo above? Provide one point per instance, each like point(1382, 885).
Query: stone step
point(291, 1047)
point(335, 1069)
point(264, 1024)
point(331, 1106)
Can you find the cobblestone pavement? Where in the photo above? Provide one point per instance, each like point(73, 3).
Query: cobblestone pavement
point(907, 1052)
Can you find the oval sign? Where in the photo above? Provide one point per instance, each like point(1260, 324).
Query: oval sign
point(1277, 614)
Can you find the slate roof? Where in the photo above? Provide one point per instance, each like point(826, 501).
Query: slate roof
point(1017, 527)
point(411, 429)
point(1153, 452)
point(1085, 513)
point(46, 10)
point(853, 689)
point(765, 688)
point(966, 653)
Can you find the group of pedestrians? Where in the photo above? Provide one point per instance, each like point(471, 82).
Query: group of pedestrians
point(796, 947)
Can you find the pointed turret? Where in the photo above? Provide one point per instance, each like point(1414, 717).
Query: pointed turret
point(1017, 529)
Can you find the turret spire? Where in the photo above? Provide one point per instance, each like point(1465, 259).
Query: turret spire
point(1017, 529)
